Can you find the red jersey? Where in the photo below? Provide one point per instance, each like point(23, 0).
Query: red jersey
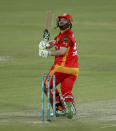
point(70, 58)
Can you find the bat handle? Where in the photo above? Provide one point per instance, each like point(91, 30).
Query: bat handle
point(46, 35)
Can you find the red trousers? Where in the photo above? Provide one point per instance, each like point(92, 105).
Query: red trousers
point(65, 79)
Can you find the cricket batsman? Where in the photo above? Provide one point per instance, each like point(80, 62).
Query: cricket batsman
point(65, 67)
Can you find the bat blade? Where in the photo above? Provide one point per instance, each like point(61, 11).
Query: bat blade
point(49, 21)
point(48, 26)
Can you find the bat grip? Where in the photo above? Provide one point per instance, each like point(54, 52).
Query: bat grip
point(46, 35)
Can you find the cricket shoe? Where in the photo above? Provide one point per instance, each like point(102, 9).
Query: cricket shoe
point(69, 110)
point(74, 108)
point(59, 113)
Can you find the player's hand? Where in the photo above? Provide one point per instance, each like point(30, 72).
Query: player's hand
point(52, 42)
point(42, 45)
point(43, 53)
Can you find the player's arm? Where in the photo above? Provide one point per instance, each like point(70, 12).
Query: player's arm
point(59, 52)
point(50, 44)
point(46, 53)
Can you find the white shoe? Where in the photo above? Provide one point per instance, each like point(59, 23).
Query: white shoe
point(58, 113)
point(74, 109)
point(51, 114)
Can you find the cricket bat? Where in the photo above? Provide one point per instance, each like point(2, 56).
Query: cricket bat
point(48, 26)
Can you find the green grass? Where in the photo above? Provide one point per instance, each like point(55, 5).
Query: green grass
point(21, 27)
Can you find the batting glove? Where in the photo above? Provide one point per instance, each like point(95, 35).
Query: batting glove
point(44, 53)
point(42, 45)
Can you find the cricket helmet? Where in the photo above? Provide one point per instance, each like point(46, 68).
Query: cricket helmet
point(68, 24)
point(66, 16)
